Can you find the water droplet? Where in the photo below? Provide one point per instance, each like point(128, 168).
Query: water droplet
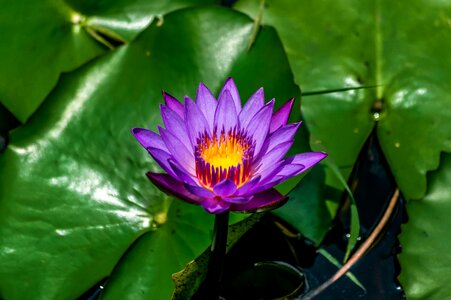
point(153, 225)
point(376, 116)
point(397, 145)
point(76, 18)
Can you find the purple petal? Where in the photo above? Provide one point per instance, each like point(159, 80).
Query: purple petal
point(174, 104)
point(252, 106)
point(215, 205)
point(196, 124)
point(162, 158)
point(259, 125)
point(181, 173)
point(179, 152)
point(291, 170)
point(175, 124)
point(206, 103)
point(271, 170)
point(172, 186)
point(264, 176)
point(149, 139)
point(199, 191)
point(238, 200)
point(308, 159)
point(230, 86)
point(281, 135)
point(292, 166)
point(280, 117)
point(248, 186)
point(266, 200)
point(225, 188)
point(225, 115)
point(270, 159)
point(286, 172)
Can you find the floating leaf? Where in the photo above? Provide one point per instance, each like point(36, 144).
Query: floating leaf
point(425, 258)
point(144, 273)
point(41, 40)
point(369, 43)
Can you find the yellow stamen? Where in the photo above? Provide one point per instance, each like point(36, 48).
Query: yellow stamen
point(227, 153)
point(226, 156)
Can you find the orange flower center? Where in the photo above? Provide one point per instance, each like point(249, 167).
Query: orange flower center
point(225, 157)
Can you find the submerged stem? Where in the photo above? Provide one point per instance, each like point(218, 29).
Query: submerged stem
point(217, 256)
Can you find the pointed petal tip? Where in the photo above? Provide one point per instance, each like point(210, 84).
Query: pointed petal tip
point(230, 86)
point(167, 96)
point(280, 117)
point(297, 124)
point(148, 138)
point(229, 80)
point(321, 155)
point(172, 103)
point(308, 159)
point(202, 85)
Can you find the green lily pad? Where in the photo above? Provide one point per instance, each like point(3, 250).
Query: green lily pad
point(41, 40)
point(145, 272)
point(400, 47)
point(125, 19)
point(425, 258)
point(73, 194)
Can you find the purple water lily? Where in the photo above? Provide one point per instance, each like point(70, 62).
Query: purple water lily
point(221, 155)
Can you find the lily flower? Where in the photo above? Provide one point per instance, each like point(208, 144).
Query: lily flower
point(222, 155)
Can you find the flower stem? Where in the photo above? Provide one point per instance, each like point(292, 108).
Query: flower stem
point(217, 256)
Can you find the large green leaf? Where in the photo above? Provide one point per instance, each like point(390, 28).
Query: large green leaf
point(425, 258)
point(73, 195)
point(145, 272)
point(402, 47)
point(127, 18)
point(41, 39)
